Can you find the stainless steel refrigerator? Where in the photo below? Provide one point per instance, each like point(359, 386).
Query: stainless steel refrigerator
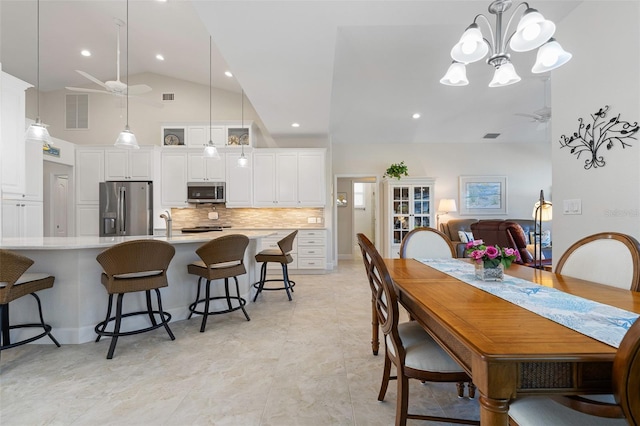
point(126, 208)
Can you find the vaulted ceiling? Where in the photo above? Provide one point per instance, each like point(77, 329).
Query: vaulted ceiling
point(350, 71)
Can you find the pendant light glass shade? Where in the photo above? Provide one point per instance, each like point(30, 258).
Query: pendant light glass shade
point(505, 75)
point(211, 151)
point(550, 56)
point(533, 31)
point(126, 139)
point(243, 161)
point(456, 75)
point(471, 47)
point(37, 132)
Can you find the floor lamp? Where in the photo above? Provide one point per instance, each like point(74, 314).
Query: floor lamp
point(446, 206)
point(542, 212)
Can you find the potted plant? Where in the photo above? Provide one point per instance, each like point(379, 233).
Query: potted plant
point(397, 170)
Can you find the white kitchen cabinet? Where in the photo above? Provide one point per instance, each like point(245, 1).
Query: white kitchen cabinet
point(239, 180)
point(198, 136)
point(173, 179)
point(312, 249)
point(205, 169)
point(311, 178)
point(12, 130)
point(89, 173)
point(275, 176)
point(34, 178)
point(22, 219)
point(288, 178)
point(123, 164)
point(87, 220)
point(408, 204)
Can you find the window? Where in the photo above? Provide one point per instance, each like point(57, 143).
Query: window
point(358, 196)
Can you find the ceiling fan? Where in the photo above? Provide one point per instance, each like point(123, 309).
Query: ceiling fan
point(541, 116)
point(117, 87)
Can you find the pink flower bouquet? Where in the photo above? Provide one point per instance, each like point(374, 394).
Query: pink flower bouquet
point(491, 256)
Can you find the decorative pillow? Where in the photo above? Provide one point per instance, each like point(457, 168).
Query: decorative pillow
point(465, 237)
point(546, 238)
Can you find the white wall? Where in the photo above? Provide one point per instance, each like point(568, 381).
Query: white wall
point(605, 70)
point(527, 167)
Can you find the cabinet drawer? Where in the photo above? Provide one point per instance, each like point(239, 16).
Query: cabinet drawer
point(311, 233)
point(311, 251)
point(311, 263)
point(311, 241)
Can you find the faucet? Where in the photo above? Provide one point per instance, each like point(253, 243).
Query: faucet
point(168, 222)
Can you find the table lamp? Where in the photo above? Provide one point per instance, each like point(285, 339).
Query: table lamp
point(446, 206)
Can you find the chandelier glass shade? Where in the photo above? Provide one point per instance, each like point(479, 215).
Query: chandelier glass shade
point(533, 31)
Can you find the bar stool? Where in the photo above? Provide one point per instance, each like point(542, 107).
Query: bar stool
point(282, 256)
point(222, 257)
point(133, 266)
point(15, 283)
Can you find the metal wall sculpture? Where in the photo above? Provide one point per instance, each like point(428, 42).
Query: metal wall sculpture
point(601, 132)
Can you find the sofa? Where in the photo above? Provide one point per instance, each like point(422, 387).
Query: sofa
point(454, 227)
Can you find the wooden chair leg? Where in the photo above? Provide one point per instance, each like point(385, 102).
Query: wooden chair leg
point(402, 405)
point(386, 376)
point(472, 390)
point(375, 327)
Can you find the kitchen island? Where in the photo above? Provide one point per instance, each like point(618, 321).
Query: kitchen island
point(78, 301)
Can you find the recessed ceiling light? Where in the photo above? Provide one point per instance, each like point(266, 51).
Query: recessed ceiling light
point(159, 57)
point(85, 52)
point(228, 74)
point(416, 115)
point(295, 124)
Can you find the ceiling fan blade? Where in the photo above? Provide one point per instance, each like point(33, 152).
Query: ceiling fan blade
point(534, 116)
point(80, 89)
point(92, 78)
point(138, 89)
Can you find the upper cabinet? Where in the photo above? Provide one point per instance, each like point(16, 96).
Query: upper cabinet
point(12, 136)
point(128, 164)
point(228, 134)
point(238, 179)
point(289, 178)
point(206, 169)
point(173, 179)
point(89, 173)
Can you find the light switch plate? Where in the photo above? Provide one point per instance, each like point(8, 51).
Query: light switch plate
point(573, 206)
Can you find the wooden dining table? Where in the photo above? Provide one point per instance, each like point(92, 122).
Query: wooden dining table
point(507, 350)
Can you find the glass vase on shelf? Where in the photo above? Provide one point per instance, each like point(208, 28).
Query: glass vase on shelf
point(489, 273)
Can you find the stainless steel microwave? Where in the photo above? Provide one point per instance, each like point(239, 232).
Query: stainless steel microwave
point(206, 192)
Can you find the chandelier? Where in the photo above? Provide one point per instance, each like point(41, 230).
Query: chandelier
point(533, 31)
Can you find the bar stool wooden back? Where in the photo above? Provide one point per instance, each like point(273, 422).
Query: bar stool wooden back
point(133, 266)
point(222, 257)
point(15, 282)
point(281, 255)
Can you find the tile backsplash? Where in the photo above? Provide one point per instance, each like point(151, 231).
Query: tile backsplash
point(248, 218)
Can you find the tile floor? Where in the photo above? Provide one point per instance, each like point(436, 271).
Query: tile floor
point(305, 362)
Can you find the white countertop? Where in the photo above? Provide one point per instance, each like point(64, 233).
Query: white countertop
point(76, 243)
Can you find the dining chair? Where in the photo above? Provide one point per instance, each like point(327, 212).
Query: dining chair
point(620, 408)
point(609, 258)
point(134, 266)
point(407, 345)
point(221, 258)
point(426, 243)
point(15, 282)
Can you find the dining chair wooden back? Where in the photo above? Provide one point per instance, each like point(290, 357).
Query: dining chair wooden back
point(426, 243)
point(620, 408)
point(407, 345)
point(609, 258)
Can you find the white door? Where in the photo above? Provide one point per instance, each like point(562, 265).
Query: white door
point(60, 212)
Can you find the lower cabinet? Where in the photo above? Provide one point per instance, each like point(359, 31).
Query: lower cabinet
point(22, 219)
point(308, 253)
point(87, 220)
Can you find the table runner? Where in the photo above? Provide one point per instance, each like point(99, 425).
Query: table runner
point(599, 321)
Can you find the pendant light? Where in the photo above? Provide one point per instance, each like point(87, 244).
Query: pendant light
point(37, 131)
point(209, 148)
point(242, 161)
point(126, 138)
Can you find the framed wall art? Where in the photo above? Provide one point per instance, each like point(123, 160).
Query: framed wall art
point(483, 195)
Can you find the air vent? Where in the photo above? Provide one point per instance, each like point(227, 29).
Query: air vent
point(491, 135)
point(167, 96)
point(77, 111)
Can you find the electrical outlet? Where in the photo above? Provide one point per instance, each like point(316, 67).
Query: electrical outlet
point(318, 220)
point(213, 215)
point(311, 220)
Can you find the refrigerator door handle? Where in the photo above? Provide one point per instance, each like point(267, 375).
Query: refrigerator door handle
point(122, 211)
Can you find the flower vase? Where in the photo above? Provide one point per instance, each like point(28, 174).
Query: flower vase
point(485, 273)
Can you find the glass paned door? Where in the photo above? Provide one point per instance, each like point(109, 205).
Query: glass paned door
point(421, 203)
point(401, 216)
